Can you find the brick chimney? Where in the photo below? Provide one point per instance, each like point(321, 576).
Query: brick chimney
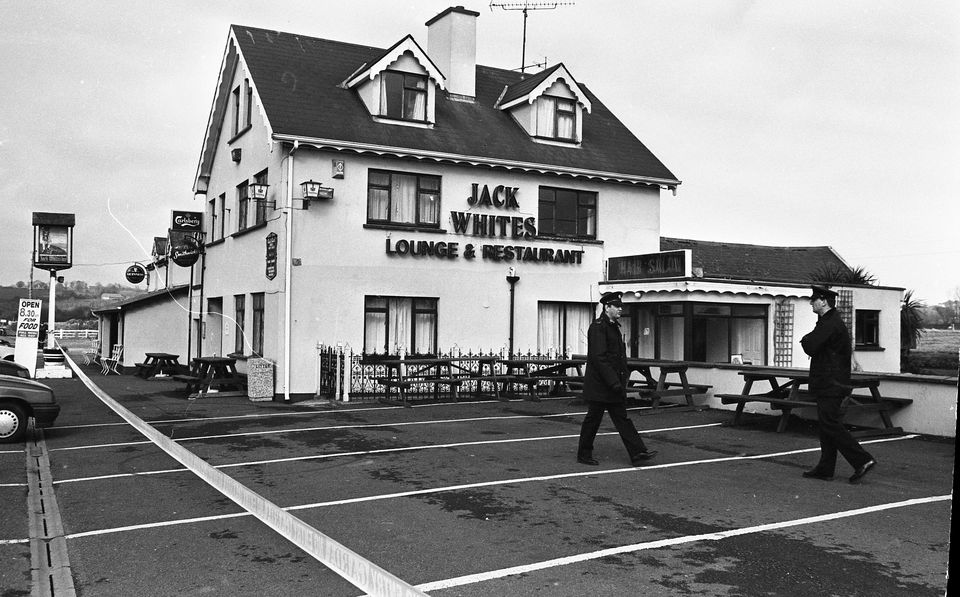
point(452, 45)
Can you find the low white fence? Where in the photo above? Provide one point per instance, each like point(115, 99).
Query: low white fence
point(85, 334)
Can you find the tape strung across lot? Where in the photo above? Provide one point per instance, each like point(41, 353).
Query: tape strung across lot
point(360, 572)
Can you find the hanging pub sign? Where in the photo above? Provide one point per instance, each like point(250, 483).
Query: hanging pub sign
point(271, 270)
point(186, 228)
point(185, 249)
point(53, 240)
point(666, 264)
point(190, 221)
point(136, 273)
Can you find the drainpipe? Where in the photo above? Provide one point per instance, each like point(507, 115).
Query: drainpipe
point(288, 271)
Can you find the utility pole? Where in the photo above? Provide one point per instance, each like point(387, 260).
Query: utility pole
point(526, 7)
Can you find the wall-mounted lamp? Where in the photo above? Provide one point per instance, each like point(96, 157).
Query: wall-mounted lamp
point(258, 192)
point(313, 191)
point(512, 279)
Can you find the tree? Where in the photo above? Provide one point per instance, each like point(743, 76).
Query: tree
point(911, 322)
point(837, 274)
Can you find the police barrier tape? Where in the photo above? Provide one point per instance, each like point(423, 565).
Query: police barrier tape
point(362, 573)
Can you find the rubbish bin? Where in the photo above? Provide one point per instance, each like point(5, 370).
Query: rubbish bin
point(260, 379)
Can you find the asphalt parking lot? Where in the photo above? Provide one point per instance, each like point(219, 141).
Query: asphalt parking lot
point(470, 498)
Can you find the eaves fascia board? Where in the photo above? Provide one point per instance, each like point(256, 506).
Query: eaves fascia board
point(475, 160)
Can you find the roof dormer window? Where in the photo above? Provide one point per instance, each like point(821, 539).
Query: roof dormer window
point(556, 118)
point(403, 96)
point(400, 87)
point(550, 106)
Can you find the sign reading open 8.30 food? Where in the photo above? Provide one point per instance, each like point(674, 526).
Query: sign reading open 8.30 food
point(28, 334)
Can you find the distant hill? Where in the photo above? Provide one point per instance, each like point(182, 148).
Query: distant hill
point(74, 302)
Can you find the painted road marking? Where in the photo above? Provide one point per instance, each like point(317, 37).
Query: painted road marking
point(336, 410)
point(369, 452)
point(718, 536)
point(358, 571)
point(449, 488)
point(324, 428)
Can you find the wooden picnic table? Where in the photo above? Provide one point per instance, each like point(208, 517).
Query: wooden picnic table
point(555, 372)
point(660, 386)
point(159, 364)
point(785, 394)
point(403, 374)
point(214, 374)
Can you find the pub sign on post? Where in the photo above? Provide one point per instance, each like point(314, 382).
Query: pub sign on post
point(53, 240)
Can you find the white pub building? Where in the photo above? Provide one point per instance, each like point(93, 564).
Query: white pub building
point(407, 200)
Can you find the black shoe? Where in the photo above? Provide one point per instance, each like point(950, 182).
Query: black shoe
point(588, 460)
point(817, 474)
point(862, 470)
point(636, 459)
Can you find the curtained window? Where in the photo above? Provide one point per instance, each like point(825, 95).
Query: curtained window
point(399, 198)
point(240, 311)
point(403, 96)
point(392, 324)
point(258, 323)
point(563, 327)
point(261, 216)
point(556, 118)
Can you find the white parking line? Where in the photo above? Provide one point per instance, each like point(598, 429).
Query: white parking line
point(324, 428)
point(517, 480)
point(369, 452)
point(594, 555)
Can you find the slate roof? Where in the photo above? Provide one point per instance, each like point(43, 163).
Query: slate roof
point(733, 261)
point(526, 85)
point(298, 81)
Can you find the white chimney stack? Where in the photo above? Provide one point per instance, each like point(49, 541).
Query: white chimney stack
point(452, 45)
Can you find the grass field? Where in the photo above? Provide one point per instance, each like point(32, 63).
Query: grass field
point(939, 341)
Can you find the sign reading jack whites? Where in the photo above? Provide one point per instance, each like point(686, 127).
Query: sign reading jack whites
point(53, 240)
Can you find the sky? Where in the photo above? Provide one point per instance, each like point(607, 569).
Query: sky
point(823, 122)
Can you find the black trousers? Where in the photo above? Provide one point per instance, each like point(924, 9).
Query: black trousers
point(834, 437)
point(618, 414)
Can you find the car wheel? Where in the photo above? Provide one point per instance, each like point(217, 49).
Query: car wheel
point(13, 422)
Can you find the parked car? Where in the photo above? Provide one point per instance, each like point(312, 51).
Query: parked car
point(20, 399)
point(6, 349)
point(13, 368)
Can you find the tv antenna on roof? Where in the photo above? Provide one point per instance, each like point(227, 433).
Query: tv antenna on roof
point(526, 6)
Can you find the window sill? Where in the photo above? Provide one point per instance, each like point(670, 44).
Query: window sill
point(404, 227)
point(860, 348)
point(213, 243)
point(558, 142)
point(243, 357)
point(569, 239)
point(422, 124)
point(239, 134)
point(248, 229)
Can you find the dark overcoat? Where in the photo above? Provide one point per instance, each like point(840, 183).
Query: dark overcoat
point(605, 379)
point(828, 346)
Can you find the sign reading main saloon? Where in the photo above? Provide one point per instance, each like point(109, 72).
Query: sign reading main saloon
point(488, 225)
point(666, 264)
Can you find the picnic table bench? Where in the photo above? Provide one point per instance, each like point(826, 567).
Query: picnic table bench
point(406, 374)
point(785, 394)
point(656, 388)
point(213, 375)
point(557, 373)
point(158, 364)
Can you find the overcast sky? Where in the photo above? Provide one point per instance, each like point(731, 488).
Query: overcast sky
point(790, 123)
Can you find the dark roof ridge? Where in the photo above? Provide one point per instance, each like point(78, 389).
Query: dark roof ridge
point(727, 243)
